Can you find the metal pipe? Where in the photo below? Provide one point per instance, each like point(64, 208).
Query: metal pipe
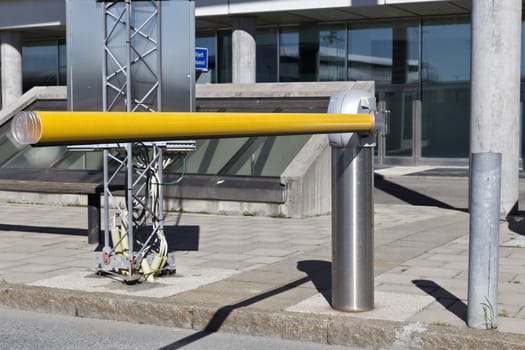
point(485, 192)
point(160, 180)
point(352, 229)
point(129, 146)
point(106, 199)
point(99, 127)
point(129, 199)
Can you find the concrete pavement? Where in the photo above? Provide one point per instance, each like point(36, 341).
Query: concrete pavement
point(271, 276)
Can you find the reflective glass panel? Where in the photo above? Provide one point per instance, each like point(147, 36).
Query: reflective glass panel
point(39, 64)
point(266, 41)
point(387, 53)
point(446, 88)
point(62, 63)
point(399, 139)
point(224, 41)
point(522, 51)
point(8, 147)
point(332, 53)
point(207, 41)
point(298, 51)
point(37, 157)
point(446, 50)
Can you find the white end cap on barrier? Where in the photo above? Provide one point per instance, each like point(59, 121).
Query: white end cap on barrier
point(26, 128)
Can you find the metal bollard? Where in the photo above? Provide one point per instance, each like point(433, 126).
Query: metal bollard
point(352, 208)
point(484, 203)
point(352, 229)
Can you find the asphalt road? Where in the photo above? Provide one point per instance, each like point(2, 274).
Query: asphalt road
point(32, 330)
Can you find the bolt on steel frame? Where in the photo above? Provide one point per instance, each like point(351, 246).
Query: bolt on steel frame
point(131, 49)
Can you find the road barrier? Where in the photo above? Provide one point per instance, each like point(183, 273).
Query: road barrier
point(351, 120)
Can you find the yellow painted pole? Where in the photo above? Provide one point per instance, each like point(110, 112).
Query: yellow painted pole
point(100, 127)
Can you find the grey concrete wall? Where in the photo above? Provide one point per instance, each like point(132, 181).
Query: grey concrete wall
point(36, 93)
point(308, 180)
point(278, 90)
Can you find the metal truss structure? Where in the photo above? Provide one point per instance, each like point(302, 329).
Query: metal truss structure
point(131, 73)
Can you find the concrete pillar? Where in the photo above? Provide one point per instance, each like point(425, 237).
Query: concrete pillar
point(243, 50)
point(11, 62)
point(495, 100)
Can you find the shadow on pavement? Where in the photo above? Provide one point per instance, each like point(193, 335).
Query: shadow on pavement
point(516, 223)
point(180, 237)
point(313, 268)
point(42, 229)
point(410, 196)
point(320, 273)
point(220, 316)
point(449, 301)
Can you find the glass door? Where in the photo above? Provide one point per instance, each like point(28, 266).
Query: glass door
point(399, 144)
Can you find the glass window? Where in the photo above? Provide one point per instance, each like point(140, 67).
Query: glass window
point(386, 53)
point(398, 142)
point(298, 54)
point(207, 41)
point(39, 64)
point(446, 88)
point(8, 147)
point(224, 71)
point(332, 53)
point(62, 63)
point(266, 55)
point(446, 50)
point(522, 50)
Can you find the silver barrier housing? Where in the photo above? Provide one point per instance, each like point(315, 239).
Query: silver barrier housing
point(353, 206)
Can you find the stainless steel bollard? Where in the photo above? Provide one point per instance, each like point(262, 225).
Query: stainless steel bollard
point(484, 203)
point(353, 208)
point(352, 229)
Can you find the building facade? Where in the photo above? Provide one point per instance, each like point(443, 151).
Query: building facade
point(416, 52)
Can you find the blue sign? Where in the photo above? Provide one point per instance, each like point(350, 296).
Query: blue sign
point(201, 58)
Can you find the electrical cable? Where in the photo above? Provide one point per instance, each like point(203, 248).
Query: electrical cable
point(181, 177)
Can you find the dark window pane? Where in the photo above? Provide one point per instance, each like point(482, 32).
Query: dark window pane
point(266, 41)
point(39, 64)
point(446, 105)
point(522, 50)
point(386, 53)
point(224, 68)
point(446, 88)
point(446, 50)
point(62, 63)
point(399, 139)
point(298, 54)
point(332, 53)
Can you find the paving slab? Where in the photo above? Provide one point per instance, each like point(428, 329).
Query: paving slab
point(387, 306)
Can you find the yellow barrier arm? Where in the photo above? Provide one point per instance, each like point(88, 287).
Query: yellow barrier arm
point(100, 127)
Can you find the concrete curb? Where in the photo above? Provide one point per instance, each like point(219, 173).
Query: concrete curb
point(376, 334)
